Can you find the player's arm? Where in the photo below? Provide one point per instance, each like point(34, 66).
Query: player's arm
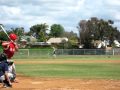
point(5, 45)
point(16, 46)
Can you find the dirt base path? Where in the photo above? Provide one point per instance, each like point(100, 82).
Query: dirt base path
point(26, 83)
point(70, 61)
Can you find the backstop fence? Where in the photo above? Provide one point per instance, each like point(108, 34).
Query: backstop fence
point(37, 53)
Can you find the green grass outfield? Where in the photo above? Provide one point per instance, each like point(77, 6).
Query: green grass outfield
point(94, 70)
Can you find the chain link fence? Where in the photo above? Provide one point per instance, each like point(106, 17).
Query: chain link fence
point(87, 52)
point(41, 53)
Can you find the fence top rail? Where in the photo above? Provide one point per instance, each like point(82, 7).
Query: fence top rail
point(70, 49)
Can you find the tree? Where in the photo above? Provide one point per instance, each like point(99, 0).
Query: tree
point(19, 31)
point(39, 31)
point(96, 29)
point(3, 36)
point(72, 39)
point(56, 30)
point(71, 36)
point(84, 33)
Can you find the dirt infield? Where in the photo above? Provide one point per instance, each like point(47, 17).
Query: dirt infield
point(28, 83)
point(70, 61)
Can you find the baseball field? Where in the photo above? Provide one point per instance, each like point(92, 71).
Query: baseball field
point(68, 73)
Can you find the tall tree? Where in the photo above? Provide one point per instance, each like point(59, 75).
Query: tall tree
point(96, 29)
point(39, 31)
point(84, 31)
point(56, 30)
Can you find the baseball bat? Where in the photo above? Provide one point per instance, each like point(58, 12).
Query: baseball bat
point(5, 31)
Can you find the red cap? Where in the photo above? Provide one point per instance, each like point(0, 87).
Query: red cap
point(13, 36)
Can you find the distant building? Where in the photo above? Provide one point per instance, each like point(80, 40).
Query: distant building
point(26, 40)
point(57, 40)
point(40, 43)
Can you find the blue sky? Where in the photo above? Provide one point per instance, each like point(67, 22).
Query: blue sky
point(68, 13)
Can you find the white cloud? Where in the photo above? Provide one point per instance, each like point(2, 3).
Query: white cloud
point(116, 14)
point(66, 12)
point(10, 12)
point(113, 2)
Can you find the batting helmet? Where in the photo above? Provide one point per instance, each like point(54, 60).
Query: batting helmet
point(13, 36)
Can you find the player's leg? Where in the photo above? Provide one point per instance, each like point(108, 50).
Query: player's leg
point(5, 83)
point(12, 71)
point(2, 78)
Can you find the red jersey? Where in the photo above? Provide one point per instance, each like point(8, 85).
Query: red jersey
point(10, 50)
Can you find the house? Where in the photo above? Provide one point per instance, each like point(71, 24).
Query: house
point(26, 40)
point(57, 40)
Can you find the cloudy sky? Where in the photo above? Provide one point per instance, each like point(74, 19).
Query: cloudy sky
point(68, 13)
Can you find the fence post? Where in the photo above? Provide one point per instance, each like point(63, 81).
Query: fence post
point(84, 51)
point(28, 53)
point(73, 51)
point(95, 51)
point(113, 52)
point(62, 51)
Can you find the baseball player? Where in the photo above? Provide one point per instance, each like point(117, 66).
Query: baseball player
point(9, 48)
point(54, 52)
point(4, 77)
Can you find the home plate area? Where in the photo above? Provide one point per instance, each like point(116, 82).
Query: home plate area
point(28, 83)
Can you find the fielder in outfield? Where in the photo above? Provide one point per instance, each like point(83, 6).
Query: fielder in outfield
point(9, 48)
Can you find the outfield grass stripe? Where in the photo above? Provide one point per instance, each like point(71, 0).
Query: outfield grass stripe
point(79, 70)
